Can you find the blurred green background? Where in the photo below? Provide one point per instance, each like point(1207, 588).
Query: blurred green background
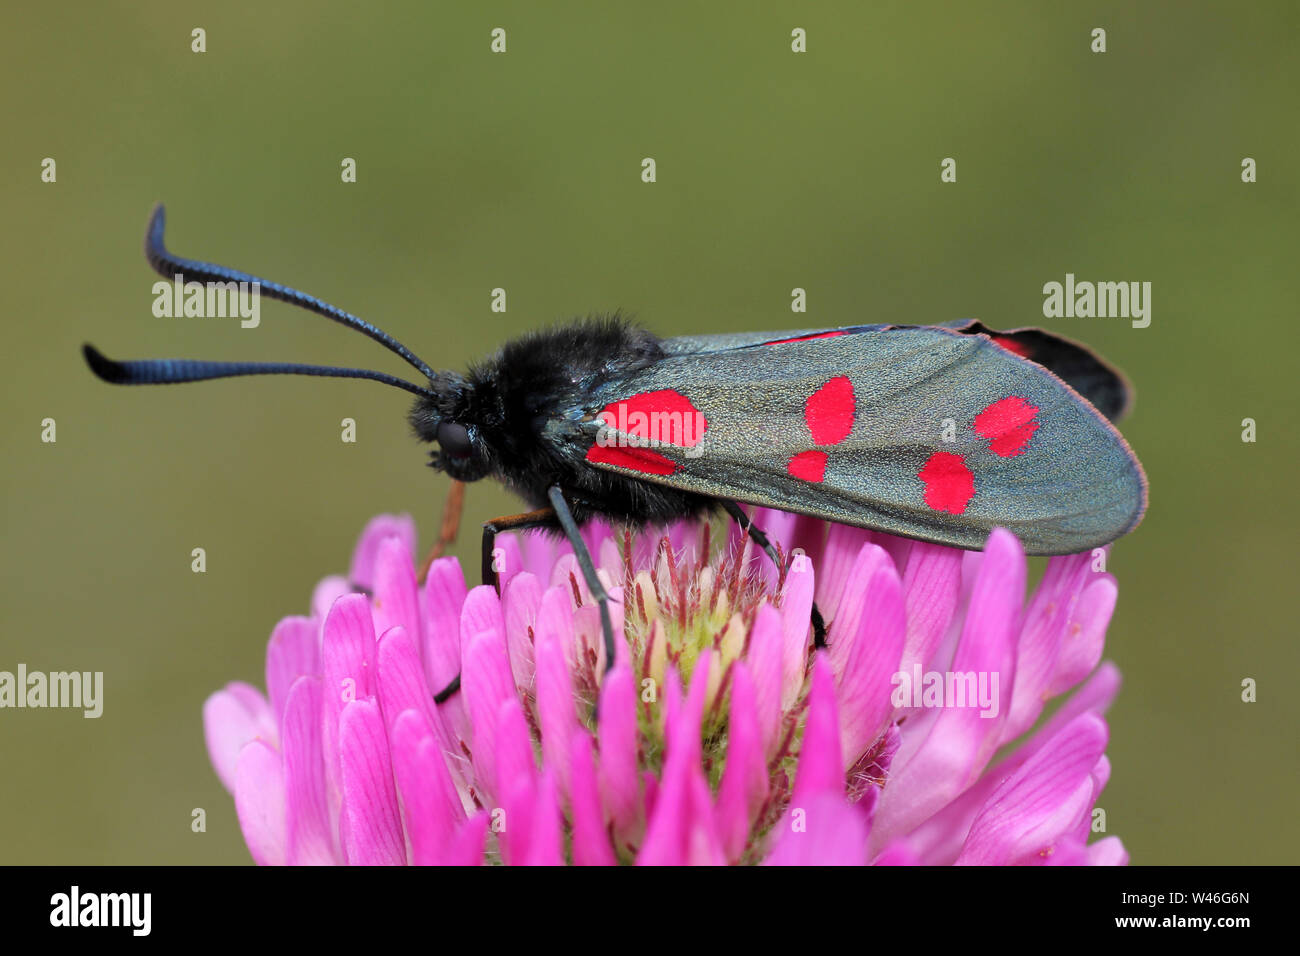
point(522, 170)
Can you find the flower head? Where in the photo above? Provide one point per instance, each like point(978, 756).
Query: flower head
point(719, 734)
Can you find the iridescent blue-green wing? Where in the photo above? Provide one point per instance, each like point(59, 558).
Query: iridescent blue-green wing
point(697, 344)
point(1076, 364)
point(931, 433)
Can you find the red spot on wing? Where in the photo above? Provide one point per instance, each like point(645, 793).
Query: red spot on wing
point(663, 417)
point(805, 338)
point(949, 484)
point(1012, 346)
point(637, 459)
point(829, 411)
point(808, 466)
point(1008, 424)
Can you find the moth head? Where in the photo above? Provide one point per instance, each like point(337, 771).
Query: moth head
point(446, 421)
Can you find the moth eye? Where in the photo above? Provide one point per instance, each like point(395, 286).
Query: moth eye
point(455, 439)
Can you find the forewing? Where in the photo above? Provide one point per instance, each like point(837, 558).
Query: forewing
point(923, 432)
point(1081, 368)
point(697, 344)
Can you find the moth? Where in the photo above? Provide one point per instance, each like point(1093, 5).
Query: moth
point(935, 433)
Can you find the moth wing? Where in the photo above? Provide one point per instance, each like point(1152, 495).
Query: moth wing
point(1081, 368)
point(699, 344)
point(920, 431)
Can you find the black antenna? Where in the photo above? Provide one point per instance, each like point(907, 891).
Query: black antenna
point(169, 265)
point(173, 371)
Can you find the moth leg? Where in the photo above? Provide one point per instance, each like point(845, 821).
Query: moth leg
point(445, 694)
point(760, 538)
point(542, 518)
point(448, 530)
point(588, 568)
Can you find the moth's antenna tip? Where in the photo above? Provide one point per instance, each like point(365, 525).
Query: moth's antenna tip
point(104, 368)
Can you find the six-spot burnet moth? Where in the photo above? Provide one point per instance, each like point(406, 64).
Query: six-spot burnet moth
point(937, 433)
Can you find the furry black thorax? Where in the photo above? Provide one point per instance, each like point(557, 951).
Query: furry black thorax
point(506, 402)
